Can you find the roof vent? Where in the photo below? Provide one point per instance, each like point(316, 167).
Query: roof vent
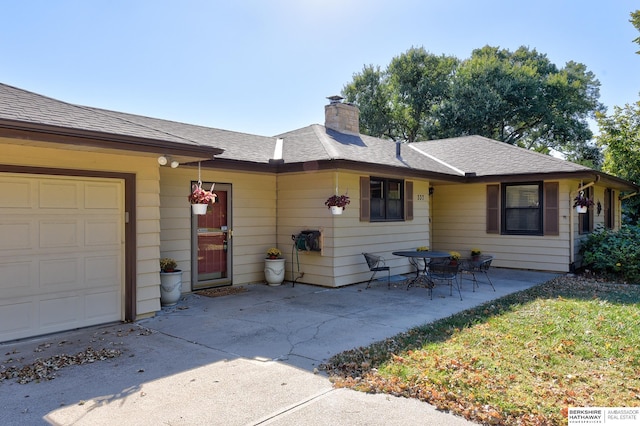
point(335, 99)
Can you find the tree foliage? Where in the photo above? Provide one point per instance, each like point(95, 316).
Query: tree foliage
point(635, 20)
point(398, 102)
point(517, 97)
point(620, 139)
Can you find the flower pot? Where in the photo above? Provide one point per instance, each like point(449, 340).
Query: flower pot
point(274, 271)
point(582, 209)
point(199, 209)
point(170, 287)
point(336, 209)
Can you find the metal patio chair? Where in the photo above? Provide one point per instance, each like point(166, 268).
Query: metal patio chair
point(474, 266)
point(377, 264)
point(445, 271)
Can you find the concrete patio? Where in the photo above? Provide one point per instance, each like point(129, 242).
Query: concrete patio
point(244, 359)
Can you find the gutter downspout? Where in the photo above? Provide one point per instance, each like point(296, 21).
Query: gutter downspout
point(572, 244)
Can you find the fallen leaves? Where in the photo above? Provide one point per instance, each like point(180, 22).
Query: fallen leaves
point(46, 369)
point(520, 360)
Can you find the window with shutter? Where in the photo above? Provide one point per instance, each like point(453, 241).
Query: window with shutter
point(521, 208)
point(383, 199)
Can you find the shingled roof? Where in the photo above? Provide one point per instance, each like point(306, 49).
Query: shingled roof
point(25, 111)
point(318, 143)
point(454, 159)
point(487, 157)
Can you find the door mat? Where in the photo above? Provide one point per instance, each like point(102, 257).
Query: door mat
point(221, 291)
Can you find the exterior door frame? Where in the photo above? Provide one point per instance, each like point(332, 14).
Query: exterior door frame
point(227, 187)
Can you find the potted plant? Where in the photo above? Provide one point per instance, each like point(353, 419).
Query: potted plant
point(422, 248)
point(582, 203)
point(454, 257)
point(475, 253)
point(274, 267)
point(170, 282)
point(200, 199)
point(337, 203)
point(274, 253)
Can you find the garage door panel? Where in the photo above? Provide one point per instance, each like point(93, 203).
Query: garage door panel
point(102, 271)
point(16, 193)
point(102, 232)
point(17, 278)
point(59, 233)
point(100, 306)
point(59, 194)
point(16, 235)
point(16, 319)
point(60, 313)
point(59, 275)
point(101, 196)
point(61, 253)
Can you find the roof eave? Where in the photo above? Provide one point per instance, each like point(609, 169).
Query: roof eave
point(579, 174)
point(64, 135)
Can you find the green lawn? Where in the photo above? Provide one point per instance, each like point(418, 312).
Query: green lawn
point(522, 359)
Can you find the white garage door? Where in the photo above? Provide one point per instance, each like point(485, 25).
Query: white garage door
point(61, 253)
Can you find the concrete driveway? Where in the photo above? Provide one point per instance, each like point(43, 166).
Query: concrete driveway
point(244, 359)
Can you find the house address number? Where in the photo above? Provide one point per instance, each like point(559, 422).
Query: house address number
point(420, 197)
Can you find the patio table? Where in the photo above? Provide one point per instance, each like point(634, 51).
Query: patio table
point(421, 279)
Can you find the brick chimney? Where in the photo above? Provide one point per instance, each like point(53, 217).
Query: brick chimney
point(342, 117)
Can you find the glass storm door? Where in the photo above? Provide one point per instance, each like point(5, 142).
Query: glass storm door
point(211, 241)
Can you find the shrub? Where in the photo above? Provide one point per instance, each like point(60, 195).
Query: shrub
point(614, 253)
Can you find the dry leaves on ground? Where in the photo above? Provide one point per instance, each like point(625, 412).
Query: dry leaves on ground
point(46, 369)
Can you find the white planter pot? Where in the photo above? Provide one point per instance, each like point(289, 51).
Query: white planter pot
point(336, 210)
point(170, 287)
point(274, 271)
point(199, 209)
point(581, 209)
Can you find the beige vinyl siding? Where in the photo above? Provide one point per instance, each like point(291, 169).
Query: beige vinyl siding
point(145, 167)
point(253, 221)
point(301, 198)
point(459, 223)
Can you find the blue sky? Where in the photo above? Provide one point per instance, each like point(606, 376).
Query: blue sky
point(267, 66)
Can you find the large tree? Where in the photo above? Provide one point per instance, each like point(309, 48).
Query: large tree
point(517, 97)
point(399, 103)
point(620, 139)
point(522, 98)
point(635, 20)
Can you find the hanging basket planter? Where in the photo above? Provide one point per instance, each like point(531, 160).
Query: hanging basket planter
point(336, 209)
point(199, 209)
point(201, 198)
point(582, 202)
point(337, 203)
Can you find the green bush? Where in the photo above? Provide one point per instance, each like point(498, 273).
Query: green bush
point(614, 253)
